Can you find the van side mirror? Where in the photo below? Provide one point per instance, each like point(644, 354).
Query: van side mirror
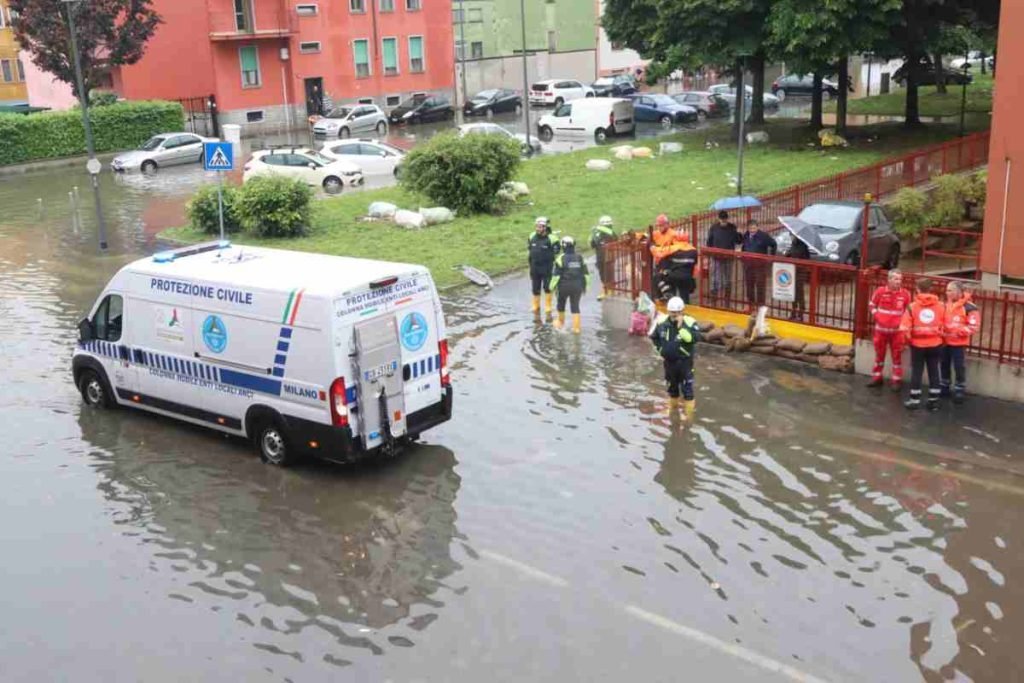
point(85, 331)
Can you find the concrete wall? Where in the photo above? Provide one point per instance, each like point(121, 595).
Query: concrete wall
point(497, 25)
point(610, 60)
point(507, 72)
point(984, 377)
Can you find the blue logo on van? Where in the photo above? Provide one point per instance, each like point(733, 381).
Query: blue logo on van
point(413, 331)
point(215, 333)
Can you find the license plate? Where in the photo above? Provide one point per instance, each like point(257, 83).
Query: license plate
point(380, 371)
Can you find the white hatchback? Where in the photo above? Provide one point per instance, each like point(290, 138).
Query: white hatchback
point(555, 91)
point(306, 165)
point(372, 156)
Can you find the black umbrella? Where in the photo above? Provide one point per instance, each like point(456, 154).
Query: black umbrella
point(804, 231)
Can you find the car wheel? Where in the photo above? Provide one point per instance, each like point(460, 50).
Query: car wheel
point(826, 95)
point(94, 390)
point(382, 128)
point(519, 110)
point(398, 171)
point(589, 94)
point(273, 444)
point(450, 114)
point(781, 94)
point(894, 257)
point(666, 121)
point(148, 166)
point(559, 102)
point(546, 133)
point(600, 135)
point(702, 115)
point(333, 185)
point(344, 133)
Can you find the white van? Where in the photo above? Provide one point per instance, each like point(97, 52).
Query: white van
point(302, 353)
point(597, 117)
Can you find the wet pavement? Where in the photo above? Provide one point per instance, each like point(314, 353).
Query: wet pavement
point(560, 527)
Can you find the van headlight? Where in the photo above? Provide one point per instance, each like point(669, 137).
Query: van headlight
point(831, 247)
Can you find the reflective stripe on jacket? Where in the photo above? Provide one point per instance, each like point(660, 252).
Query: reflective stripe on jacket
point(887, 308)
point(962, 321)
point(924, 321)
point(673, 342)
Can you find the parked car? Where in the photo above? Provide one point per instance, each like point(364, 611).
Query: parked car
point(926, 74)
point(306, 165)
point(493, 102)
point(422, 108)
point(614, 86)
point(974, 59)
point(371, 156)
point(352, 119)
point(708, 104)
point(495, 129)
point(795, 84)
point(728, 92)
point(662, 108)
point(556, 91)
point(598, 118)
point(166, 149)
point(837, 227)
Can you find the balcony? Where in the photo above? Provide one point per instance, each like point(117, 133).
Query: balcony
point(247, 20)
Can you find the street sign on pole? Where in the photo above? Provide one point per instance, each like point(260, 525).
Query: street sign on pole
point(784, 282)
point(93, 166)
point(218, 156)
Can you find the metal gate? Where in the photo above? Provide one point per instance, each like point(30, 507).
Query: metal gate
point(201, 115)
point(381, 384)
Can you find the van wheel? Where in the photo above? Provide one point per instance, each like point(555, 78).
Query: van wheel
point(333, 185)
point(273, 444)
point(600, 135)
point(546, 133)
point(94, 390)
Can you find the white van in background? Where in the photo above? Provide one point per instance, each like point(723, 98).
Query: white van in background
point(597, 117)
point(302, 353)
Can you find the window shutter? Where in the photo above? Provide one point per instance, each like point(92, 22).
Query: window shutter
point(248, 59)
point(390, 53)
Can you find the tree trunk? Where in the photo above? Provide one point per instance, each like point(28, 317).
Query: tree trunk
point(984, 60)
point(912, 117)
point(816, 123)
point(843, 69)
point(757, 101)
point(737, 79)
point(940, 74)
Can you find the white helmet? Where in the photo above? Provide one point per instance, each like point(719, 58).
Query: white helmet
point(568, 241)
point(542, 220)
point(605, 221)
point(676, 305)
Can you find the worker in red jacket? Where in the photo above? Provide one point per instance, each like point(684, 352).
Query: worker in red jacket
point(962, 321)
point(887, 306)
point(922, 328)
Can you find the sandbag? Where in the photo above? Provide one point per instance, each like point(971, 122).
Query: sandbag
point(763, 350)
point(670, 147)
point(437, 214)
point(738, 344)
point(779, 351)
point(642, 153)
point(624, 154)
point(841, 350)
point(618, 148)
point(599, 165)
point(716, 336)
point(791, 345)
point(382, 210)
point(837, 363)
point(733, 331)
point(766, 340)
point(409, 219)
point(817, 348)
point(705, 326)
point(807, 358)
point(757, 137)
point(521, 189)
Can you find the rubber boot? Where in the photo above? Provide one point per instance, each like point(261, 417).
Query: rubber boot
point(575, 323)
point(673, 406)
point(560, 322)
point(690, 407)
point(875, 382)
point(914, 402)
point(547, 303)
point(536, 305)
point(959, 395)
point(602, 294)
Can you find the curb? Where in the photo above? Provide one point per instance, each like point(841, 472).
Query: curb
point(49, 164)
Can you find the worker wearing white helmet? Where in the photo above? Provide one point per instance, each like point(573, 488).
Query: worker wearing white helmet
point(570, 281)
point(541, 249)
point(601, 235)
point(676, 339)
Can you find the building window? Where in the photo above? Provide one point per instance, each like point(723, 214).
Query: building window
point(309, 48)
point(416, 64)
point(307, 10)
point(476, 16)
point(250, 62)
point(254, 116)
point(21, 71)
point(413, 5)
point(456, 16)
point(390, 56)
point(460, 50)
point(357, 6)
point(392, 100)
point(387, 5)
point(365, 100)
point(5, 67)
point(243, 15)
point(476, 50)
point(361, 50)
point(552, 42)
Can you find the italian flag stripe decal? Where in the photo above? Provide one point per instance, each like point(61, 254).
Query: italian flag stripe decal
point(298, 300)
point(291, 309)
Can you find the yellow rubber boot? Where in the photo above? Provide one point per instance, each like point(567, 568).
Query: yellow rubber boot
point(575, 323)
point(536, 304)
point(673, 406)
point(690, 407)
point(560, 322)
point(547, 303)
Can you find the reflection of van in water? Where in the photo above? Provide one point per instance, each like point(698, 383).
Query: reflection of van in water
point(300, 352)
point(595, 117)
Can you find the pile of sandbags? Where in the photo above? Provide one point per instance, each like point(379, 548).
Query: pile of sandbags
point(624, 153)
point(437, 214)
point(414, 220)
point(758, 137)
point(382, 210)
point(829, 138)
point(513, 190)
point(642, 153)
point(599, 165)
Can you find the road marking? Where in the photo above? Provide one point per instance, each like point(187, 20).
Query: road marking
point(526, 569)
point(732, 649)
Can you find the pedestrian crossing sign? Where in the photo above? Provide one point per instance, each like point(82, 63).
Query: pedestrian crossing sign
point(218, 156)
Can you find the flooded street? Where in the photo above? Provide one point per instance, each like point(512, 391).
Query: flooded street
point(561, 527)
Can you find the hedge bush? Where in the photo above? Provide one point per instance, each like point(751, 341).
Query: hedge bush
point(274, 206)
point(203, 211)
point(462, 173)
point(908, 209)
point(51, 135)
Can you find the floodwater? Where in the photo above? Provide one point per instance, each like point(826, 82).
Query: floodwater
point(561, 527)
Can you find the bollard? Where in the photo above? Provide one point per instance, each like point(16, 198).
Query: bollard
point(39, 206)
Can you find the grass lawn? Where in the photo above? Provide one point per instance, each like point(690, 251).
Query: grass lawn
point(979, 99)
point(633, 192)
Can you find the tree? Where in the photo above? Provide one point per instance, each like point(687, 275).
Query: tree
point(109, 33)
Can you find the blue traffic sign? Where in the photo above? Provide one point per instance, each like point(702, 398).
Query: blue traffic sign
point(218, 156)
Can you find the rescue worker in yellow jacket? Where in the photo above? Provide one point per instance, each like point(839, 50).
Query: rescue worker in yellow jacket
point(570, 281)
point(676, 339)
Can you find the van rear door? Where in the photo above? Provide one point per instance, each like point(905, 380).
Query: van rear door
point(378, 362)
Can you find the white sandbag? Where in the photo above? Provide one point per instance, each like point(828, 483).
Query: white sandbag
point(409, 219)
point(670, 147)
point(382, 210)
point(599, 165)
point(618, 148)
point(519, 188)
point(437, 214)
point(758, 137)
point(642, 153)
point(625, 154)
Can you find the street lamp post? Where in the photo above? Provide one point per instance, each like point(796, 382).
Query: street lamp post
point(741, 97)
point(93, 165)
point(526, 78)
point(462, 54)
point(963, 90)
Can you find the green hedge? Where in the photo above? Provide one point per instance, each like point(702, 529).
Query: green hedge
point(51, 135)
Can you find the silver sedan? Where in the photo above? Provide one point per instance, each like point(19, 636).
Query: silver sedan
point(166, 149)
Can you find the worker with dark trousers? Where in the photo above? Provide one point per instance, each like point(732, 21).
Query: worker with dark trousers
point(755, 271)
point(676, 268)
point(542, 249)
point(676, 339)
point(571, 279)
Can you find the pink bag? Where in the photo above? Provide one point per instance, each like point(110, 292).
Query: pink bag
point(638, 324)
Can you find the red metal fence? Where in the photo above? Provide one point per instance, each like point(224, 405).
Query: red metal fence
point(967, 249)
